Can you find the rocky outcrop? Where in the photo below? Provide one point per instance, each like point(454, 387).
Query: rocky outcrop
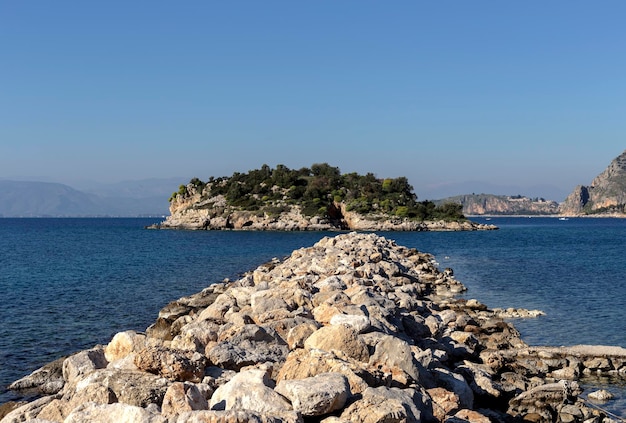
point(294, 220)
point(489, 204)
point(194, 211)
point(352, 329)
point(605, 196)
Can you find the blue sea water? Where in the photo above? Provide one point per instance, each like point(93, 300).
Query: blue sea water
point(68, 284)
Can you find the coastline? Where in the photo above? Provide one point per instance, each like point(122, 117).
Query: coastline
point(422, 290)
point(556, 216)
point(294, 220)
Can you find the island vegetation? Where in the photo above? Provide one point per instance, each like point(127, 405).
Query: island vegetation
point(318, 191)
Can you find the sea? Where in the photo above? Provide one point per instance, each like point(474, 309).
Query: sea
point(67, 284)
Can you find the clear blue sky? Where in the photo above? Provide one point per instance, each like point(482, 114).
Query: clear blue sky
point(516, 94)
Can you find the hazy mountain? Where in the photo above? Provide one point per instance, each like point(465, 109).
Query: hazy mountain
point(22, 198)
point(475, 187)
point(489, 204)
point(48, 199)
point(144, 188)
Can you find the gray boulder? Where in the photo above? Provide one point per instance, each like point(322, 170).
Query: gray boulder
point(178, 365)
point(83, 363)
point(317, 395)
point(46, 380)
point(236, 416)
point(129, 387)
point(249, 390)
point(113, 413)
point(248, 345)
point(341, 338)
point(455, 383)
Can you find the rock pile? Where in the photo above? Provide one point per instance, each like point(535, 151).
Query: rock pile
point(353, 329)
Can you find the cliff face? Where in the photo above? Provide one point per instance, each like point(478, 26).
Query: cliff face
point(488, 204)
point(605, 195)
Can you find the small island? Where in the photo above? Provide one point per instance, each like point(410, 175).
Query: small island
point(315, 198)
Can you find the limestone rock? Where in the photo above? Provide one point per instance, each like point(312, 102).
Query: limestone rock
point(46, 380)
point(196, 335)
point(124, 343)
point(301, 364)
point(218, 309)
point(236, 416)
point(181, 397)
point(317, 395)
point(29, 410)
point(113, 413)
point(247, 345)
point(392, 352)
point(172, 364)
point(129, 387)
point(389, 405)
point(457, 384)
point(341, 338)
point(480, 380)
point(268, 300)
point(472, 416)
point(376, 410)
point(445, 403)
point(59, 409)
point(249, 390)
point(544, 399)
point(601, 395)
point(360, 323)
point(298, 334)
point(83, 363)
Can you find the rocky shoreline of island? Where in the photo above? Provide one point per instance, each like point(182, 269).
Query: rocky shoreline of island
point(294, 220)
point(352, 329)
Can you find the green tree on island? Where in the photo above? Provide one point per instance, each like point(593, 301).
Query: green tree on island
point(318, 189)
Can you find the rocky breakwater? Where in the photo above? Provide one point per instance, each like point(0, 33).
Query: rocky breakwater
point(352, 329)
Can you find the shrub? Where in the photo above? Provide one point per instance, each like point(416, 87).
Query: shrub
point(402, 211)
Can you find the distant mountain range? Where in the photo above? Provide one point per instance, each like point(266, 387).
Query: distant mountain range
point(490, 204)
point(449, 190)
point(47, 199)
point(606, 195)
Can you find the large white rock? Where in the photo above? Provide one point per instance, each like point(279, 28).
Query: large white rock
point(249, 390)
point(340, 338)
point(83, 363)
point(360, 323)
point(317, 395)
point(124, 343)
point(112, 413)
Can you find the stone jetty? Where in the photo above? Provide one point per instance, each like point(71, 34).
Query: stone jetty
point(352, 329)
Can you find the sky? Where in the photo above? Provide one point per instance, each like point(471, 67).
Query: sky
point(455, 95)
